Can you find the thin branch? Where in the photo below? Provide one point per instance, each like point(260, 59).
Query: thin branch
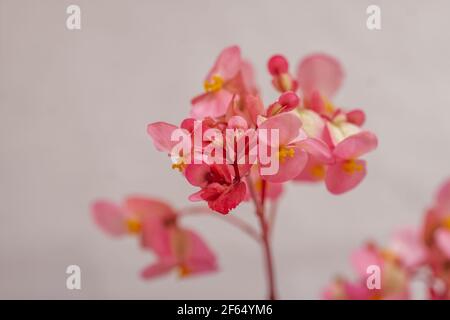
point(233, 220)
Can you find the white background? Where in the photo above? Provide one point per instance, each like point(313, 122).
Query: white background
point(74, 106)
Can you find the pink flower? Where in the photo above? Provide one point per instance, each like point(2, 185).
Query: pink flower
point(407, 244)
point(220, 186)
point(219, 85)
point(395, 278)
point(155, 222)
point(348, 170)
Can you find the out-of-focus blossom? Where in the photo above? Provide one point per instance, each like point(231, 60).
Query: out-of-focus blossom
point(220, 187)
point(156, 224)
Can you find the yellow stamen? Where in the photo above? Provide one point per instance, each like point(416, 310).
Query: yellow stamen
point(446, 223)
point(213, 85)
point(133, 225)
point(183, 271)
point(318, 171)
point(285, 152)
point(180, 165)
point(351, 166)
point(329, 107)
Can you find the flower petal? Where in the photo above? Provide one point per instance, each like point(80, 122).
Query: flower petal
point(200, 258)
point(363, 258)
point(142, 207)
point(356, 145)
point(229, 198)
point(161, 132)
point(289, 167)
point(211, 104)
point(287, 124)
point(196, 174)
point(227, 64)
point(109, 217)
point(320, 72)
point(344, 176)
point(157, 269)
point(408, 246)
point(318, 149)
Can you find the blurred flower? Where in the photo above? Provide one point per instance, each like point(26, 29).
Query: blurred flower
point(156, 223)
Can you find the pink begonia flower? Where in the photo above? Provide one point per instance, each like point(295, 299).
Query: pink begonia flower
point(219, 186)
point(293, 147)
point(183, 250)
point(408, 246)
point(394, 282)
point(348, 170)
point(156, 224)
point(222, 81)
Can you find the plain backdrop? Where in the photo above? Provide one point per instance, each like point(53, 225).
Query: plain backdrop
point(74, 106)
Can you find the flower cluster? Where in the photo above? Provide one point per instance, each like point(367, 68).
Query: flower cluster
point(302, 136)
point(422, 253)
point(234, 148)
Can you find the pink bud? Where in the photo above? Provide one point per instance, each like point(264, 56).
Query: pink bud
point(356, 117)
point(289, 100)
point(277, 65)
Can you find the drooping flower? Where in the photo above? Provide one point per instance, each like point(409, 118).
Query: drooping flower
point(220, 186)
point(222, 82)
point(155, 222)
point(348, 170)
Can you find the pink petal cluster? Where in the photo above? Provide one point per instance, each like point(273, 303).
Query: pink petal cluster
point(156, 225)
point(316, 140)
point(412, 254)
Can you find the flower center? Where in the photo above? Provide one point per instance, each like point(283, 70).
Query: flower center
point(446, 223)
point(351, 166)
point(213, 85)
point(180, 165)
point(133, 225)
point(318, 171)
point(285, 152)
